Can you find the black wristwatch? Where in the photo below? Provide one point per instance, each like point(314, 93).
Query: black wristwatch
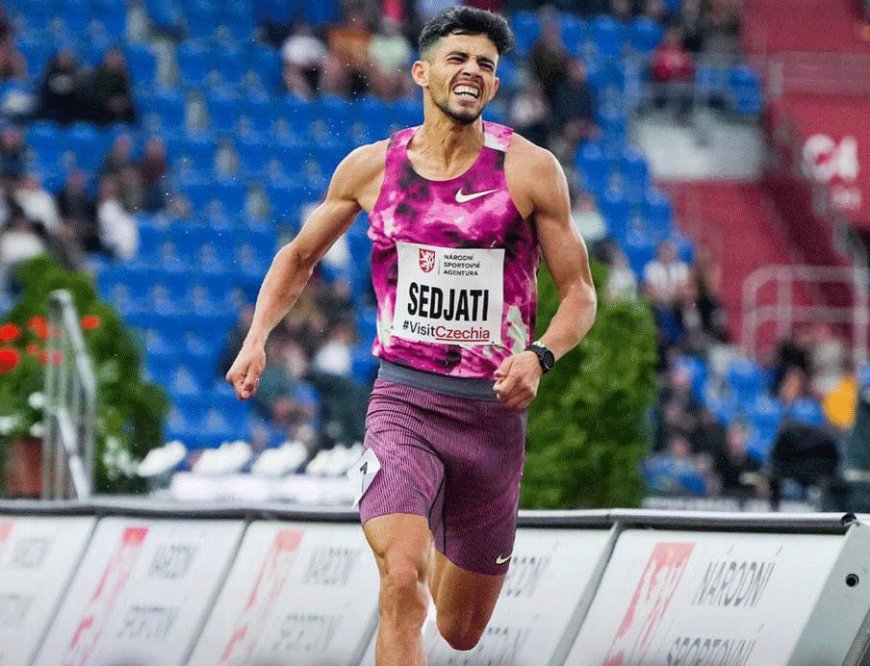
point(545, 356)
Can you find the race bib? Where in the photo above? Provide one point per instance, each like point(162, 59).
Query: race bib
point(445, 295)
point(363, 473)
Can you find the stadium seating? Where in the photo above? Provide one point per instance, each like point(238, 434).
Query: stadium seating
point(184, 288)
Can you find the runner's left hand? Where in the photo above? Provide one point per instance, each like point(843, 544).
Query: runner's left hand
point(517, 379)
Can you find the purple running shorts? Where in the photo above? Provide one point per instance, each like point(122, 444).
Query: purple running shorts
point(453, 460)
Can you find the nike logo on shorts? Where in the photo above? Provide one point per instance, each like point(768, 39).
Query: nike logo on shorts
point(502, 560)
point(461, 197)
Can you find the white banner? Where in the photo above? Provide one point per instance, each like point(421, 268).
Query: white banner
point(142, 592)
point(298, 594)
point(550, 573)
point(675, 598)
point(37, 560)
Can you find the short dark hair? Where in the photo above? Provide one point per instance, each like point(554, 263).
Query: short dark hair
point(467, 21)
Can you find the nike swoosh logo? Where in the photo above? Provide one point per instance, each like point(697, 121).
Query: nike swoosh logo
point(502, 560)
point(461, 197)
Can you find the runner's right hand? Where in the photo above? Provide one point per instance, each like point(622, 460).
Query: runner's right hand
point(244, 374)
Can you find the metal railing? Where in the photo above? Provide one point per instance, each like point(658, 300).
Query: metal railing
point(785, 313)
point(70, 411)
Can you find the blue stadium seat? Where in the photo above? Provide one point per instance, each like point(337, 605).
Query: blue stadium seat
point(297, 112)
point(322, 12)
point(747, 98)
point(658, 214)
point(613, 123)
point(76, 15)
point(608, 34)
point(635, 172)
point(236, 18)
point(593, 167)
point(575, 33)
point(170, 107)
point(644, 35)
point(527, 27)
point(254, 154)
point(765, 416)
point(285, 200)
point(745, 380)
point(228, 60)
point(199, 150)
point(194, 63)
point(202, 19)
point(265, 64)
point(615, 209)
point(291, 155)
point(46, 140)
point(112, 15)
point(142, 63)
point(806, 410)
point(260, 112)
point(223, 109)
point(86, 142)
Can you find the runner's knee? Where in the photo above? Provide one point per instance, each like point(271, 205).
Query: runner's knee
point(402, 596)
point(459, 632)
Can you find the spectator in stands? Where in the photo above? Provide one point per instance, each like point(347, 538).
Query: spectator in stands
point(530, 113)
point(345, 71)
point(678, 411)
point(794, 385)
point(721, 29)
point(13, 155)
point(19, 241)
point(548, 59)
point(153, 169)
point(79, 211)
point(12, 63)
point(690, 22)
point(389, 56)
point(706, 279)
point(111, 90)
point(62, 90)
point(672, 69)
point(738, 473)
point(587, 218)
point(621, 10)
point(574, 106)
point(827, 358)
point(274, 401)
point(6, 30)
point(120, 164)
point(840, 404)
point(675, 471)
point(37, 203)
point(663, 279)
point(334, 357)
point(621, 281)
point(303, 55)
point(792, 352)
point(119, 234)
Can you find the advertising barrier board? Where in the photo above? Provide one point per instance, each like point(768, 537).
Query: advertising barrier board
point(298, 593)
point(674, 598)
point(142, 592)
point(38, 556)
point(549, 585)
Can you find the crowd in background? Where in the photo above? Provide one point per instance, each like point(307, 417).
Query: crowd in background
point(369, 51)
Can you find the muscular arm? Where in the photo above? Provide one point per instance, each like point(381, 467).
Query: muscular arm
point(540, 189)
point(353, 187)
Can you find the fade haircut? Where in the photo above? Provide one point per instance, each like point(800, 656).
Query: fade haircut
point(467, 21)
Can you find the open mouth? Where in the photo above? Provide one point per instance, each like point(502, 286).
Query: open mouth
point(466, 91)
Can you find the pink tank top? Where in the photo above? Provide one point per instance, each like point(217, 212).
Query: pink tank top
point(454, 264)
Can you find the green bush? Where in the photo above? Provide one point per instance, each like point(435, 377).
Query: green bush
point(588, 427)
point(130, 410)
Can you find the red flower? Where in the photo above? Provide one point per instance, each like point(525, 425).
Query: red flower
point(37, 322)
point(90, 322)
point(34, 349)
point(9, 359)
point(9, 332)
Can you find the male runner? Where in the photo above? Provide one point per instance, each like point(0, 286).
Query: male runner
point(460, 212)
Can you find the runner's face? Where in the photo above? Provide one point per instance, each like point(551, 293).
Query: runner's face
point(461, 76)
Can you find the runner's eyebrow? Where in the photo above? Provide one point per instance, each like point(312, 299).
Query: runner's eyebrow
point(464, 54)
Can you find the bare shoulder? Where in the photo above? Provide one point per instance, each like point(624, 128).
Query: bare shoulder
point(360, 174)
point(533, 173)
